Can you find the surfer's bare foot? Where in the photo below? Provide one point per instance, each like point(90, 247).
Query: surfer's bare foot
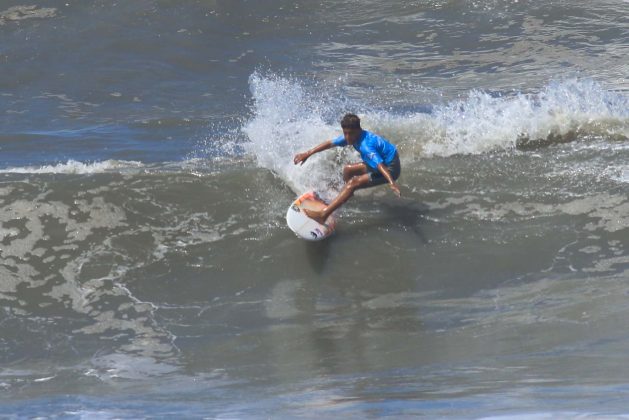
point(316, 215)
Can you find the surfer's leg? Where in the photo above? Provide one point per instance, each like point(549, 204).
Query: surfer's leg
point(352, 170)
point(377, 178)
point(360, 181)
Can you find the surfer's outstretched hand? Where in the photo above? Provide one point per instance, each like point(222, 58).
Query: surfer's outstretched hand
point(300, 158)
point(396, 189)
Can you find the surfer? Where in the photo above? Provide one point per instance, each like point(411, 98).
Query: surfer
point(381, 163)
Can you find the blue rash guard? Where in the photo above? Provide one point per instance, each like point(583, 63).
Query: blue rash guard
point(373, 149)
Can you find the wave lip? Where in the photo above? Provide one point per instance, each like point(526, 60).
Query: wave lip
point(561, 112)
point(76, 167)
point(289, 116)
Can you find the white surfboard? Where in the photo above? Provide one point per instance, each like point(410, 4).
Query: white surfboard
point(302, 225)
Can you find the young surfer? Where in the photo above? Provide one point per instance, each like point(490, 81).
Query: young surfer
point(381, 163)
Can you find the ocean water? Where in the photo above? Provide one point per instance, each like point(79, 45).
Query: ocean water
point(146, 270)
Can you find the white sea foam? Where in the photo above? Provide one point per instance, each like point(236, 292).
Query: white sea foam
point(287, 121)
point(621, 174)
point(76, 167)
point(18, 13)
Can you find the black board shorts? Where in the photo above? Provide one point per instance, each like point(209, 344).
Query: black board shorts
point(394, 169)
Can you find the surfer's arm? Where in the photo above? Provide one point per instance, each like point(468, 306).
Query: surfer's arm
point(385, 173)
point(302, 157)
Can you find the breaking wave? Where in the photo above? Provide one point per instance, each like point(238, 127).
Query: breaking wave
point(289, 116)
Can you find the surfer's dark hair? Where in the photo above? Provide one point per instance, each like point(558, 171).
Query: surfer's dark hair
point(350, 121)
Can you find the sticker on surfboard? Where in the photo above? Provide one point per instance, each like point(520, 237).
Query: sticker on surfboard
point(305, 227)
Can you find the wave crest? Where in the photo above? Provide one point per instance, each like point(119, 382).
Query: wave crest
point(290, 116)
point(76, 167)
point(561, 112)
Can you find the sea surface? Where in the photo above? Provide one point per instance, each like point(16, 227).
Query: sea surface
point(146, 270)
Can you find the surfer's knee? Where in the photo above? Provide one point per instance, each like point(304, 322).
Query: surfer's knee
point(353, 183)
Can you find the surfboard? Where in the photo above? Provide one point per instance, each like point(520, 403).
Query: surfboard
point(302, 225)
